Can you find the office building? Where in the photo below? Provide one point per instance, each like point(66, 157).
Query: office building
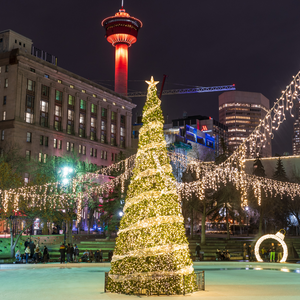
point(241, 112)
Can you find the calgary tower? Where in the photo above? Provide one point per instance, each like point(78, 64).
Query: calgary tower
point(121, 31)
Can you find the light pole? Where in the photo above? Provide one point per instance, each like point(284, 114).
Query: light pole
point(66, 176)
point(247, 219)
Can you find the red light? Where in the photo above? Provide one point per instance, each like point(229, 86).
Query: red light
point(204, 128)
point(233, 84)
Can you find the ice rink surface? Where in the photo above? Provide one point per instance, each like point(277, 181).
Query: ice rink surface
point(233, 280)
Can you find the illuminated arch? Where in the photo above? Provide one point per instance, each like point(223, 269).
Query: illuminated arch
point(278, 237)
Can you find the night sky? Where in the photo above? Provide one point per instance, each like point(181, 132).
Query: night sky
point(252, 43)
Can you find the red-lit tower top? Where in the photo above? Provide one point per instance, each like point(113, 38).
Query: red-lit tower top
point(121, 32)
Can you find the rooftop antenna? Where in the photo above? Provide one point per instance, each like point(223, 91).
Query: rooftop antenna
point(122, 4)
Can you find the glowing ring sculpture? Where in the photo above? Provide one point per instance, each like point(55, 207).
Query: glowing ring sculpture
point(278, 237)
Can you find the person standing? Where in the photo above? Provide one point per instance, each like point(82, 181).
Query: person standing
point(101, 255)
point(31, 246)
point(69, 253)
point(272, 253)
point(27, 243)
point(76, 253)
point(198, 248)
point(250, 251)
point(45, 254)
point(62, 251)
point(279, 252)
point(27, 253)
point(244, 251)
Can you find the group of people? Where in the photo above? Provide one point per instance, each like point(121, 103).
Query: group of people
point(272, 254)
point(71, 251)
point(222, 255)
point(34, 252)
point(88, 255)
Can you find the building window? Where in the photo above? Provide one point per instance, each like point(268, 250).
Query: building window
point(112, 156)
point(55, 143)
point(113, 135)
point(30, 85)
point(58, 110)
point(82, 104)
point(29, 103)
point(28, 137)
point(41, 140)
point(4, 115)
point(70, 123)
point(93, 108)
point(71, 100)
point(68, 146)
point(4, 100)
point(113, 116)
point(29, 118)
point(2, 135)
point(40, 157)
point(72, 147)
point(26, 178)
point(6, 83)
point(122, 137)
point(59, 146)
point(79, 149)
point(104, 112)
point(93, 152)
point(46, 139)
point(28, 155)
point(46, 76)
point(84, 150)
point(103, 131)
point(103, 154)
point(58, 95)
point(45, 158)
point(45, 91)
point(82, 125)
point(44, 113)
point(32, 70)
point(93, 129)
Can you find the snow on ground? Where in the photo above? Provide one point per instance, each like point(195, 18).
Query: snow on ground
point(234, 281)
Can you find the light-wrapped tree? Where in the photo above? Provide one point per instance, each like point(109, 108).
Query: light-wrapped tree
point(152, 252)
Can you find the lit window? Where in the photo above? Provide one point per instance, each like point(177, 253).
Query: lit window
point(40, 157)
point(93, 122)
point(68, 146)
point(93, 108)
point(30, 85)
point(4, 116)
point(59, 81)
point(46, 76)
point(72, 147)
point(82, 104)
point(95, 152)
point(26, 178)
point(45, 158)
point(83, 150)
point(79, 149)
point(104, 100)
point(44, 106)
point(6, 82)
point(55, 143)
point(71, 86)
point(59, 144)
point(71, 100)
point(82, 119)
point(84, 91)
point(29, 118)
point(94, 95)
point(58, 110)
point(70, 115)
point(58, 95)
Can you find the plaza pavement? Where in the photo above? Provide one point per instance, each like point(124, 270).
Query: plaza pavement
point(224, 281)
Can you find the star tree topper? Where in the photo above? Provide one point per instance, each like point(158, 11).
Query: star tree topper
point(152, 83)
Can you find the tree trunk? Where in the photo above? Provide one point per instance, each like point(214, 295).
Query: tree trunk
point(203, 220)
point(69, 236)
point(261, 220)
point(227, 224)
point(192, 224)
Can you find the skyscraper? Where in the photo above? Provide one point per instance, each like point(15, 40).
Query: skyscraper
point(241, 112)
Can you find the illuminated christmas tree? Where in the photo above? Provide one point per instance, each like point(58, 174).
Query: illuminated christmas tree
point(152, 252)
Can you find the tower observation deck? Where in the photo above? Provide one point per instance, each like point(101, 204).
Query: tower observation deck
point(121, 32)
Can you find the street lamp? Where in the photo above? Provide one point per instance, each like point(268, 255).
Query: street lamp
point(247, 218)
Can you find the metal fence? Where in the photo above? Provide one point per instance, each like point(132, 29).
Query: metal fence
point(200, 284)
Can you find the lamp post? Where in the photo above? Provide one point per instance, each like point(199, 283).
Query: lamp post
point(247, 219)
point(66, 176)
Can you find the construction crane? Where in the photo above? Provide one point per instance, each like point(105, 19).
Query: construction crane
point(202, 89)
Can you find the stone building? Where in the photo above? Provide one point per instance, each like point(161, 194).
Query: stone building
point(46, 110)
